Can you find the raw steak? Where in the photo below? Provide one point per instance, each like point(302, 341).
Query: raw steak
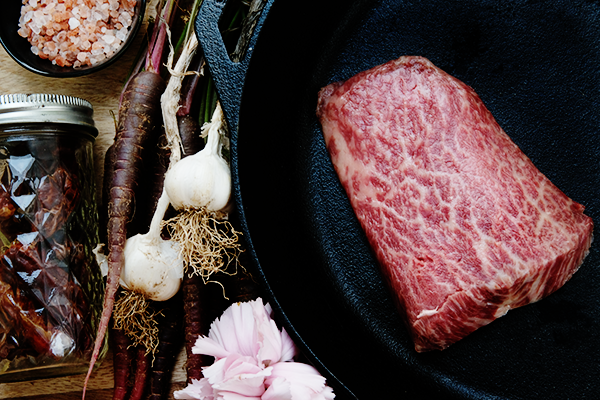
point(462, 223)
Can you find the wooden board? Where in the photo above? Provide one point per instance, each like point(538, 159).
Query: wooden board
point(102, 89)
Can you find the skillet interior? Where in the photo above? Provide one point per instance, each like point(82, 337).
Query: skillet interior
point(536, 65)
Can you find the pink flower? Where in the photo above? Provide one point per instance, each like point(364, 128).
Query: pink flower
point(253, 360)
point(236, 376)
point(198, 389)
point(296, 381)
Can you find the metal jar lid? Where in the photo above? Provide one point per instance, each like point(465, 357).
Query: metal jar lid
point(38, 108)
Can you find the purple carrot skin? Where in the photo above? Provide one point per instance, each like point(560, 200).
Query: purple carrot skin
point(155, 57)
point(170, 338)
point(189, 86)
point(142, 373)
point(189, 131)
point(147, 192)
point(109, 163)
point(150, 184)
point(188, 112)
point(203, 303)
point(122, 359)
point(139, 113)
point(196, 322)
point(241, 287)
point(159, 162)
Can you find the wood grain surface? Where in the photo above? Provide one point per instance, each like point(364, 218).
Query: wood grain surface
point(102, 89)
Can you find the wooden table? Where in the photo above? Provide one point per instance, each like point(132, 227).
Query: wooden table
point(102, 89)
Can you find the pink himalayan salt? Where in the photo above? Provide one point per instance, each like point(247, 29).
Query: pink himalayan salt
point(76, 33)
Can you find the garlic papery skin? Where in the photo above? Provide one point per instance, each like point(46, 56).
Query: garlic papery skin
point(153, 267)
point(199, 180)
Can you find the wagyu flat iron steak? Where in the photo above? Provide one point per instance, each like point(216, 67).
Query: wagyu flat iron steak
point(463, 225)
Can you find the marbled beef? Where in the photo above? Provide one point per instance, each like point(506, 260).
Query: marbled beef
point(464, 226)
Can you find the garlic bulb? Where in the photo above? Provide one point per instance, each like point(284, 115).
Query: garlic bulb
point(152, 267)
point(202, 179)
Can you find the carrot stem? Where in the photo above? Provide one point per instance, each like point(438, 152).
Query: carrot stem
point(156, 47)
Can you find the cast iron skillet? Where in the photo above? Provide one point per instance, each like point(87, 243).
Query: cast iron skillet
point(536, 65)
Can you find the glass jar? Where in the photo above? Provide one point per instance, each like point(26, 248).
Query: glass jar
point(51, 287)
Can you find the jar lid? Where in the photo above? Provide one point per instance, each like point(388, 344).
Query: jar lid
point(17, 109)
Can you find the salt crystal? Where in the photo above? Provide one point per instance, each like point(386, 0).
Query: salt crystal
point(125, 19)
point(74, 23)
point(122, 34)
point(60, 37)
point(84, 11)
point(108, 39)
point(96, 16)
point(91, 28)
point(28, 16)
point(105, 15)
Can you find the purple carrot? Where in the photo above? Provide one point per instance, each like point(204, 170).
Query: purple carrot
point(122, 358)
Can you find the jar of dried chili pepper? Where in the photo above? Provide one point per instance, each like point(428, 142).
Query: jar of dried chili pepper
point(50, 284)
